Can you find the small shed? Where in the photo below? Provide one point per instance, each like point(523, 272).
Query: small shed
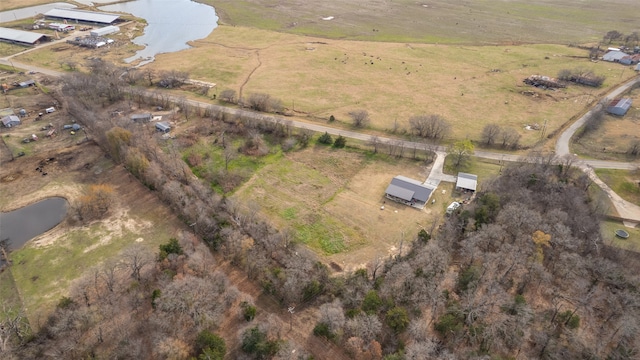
point(146, 117)
point(467, 182)
point(163, 127)
point(103, 31)
point(27, 83)
point(619, 106)
point(10, 121)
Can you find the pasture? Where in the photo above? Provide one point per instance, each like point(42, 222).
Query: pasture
point(470, 86)
point(437, 21)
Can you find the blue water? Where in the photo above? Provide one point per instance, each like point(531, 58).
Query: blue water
point(171, 24)
point(22, 225)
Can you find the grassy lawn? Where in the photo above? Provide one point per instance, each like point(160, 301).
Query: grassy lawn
point(624, 183)
point(484, 168)
point(331, 200)
point(608, 228)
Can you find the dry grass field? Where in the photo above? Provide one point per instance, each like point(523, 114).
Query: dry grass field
point(468, 85)
point(331, 200)
point(437, 21)
point(612, 140)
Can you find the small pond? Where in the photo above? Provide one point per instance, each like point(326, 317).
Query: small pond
point(22, 225)
point(170, 25)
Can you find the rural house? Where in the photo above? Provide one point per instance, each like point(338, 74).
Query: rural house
point(10, 121)
point(163, 127)
point(467, 182)
point(614, 56)
point(409, 192)
point(146, 117)
point(619, 106)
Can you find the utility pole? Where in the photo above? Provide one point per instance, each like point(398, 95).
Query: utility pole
point(290, 309)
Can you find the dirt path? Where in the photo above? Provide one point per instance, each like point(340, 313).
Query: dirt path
point(246, 80)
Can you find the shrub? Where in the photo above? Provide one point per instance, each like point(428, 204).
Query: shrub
point(397, 319)
point(154, 295)
point(340, 142)
point(424, 236)
point(210, 345)
point(65, 302)
point(311, 290)
point(248, 311)
point(254, 341)
point(569, 319)
point(322, 329)
point(96, 202)
point(172, 247)
point(449, 323)
point(325, 139)
point(371, 302)
point(332, 118)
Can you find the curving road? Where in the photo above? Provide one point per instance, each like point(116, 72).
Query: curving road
point(625, 209)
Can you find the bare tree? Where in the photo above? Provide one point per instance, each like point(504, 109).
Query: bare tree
point(634, 148)
point(374, 142)
point(260, 102)
point(429, 126)
point(136, 258)
point(229, 154)
point(360, 118)
point(509, 137)
point(229, 95)
point(172, 78)
point(490, 133)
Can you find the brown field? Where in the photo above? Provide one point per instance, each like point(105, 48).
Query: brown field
point(612, 140)
point(331, 200)
point(437, 21)
point(470, 86)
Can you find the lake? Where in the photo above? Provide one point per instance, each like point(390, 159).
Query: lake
point(170, 25)
point(22, 225)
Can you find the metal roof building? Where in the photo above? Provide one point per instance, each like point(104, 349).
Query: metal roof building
point(19, 36)
point(163, 127)
point(408, 191)
point(104, 30)
point(467, 181)
point(82, 15)
point(614, 56)
point(10, 121)
point(619, 106)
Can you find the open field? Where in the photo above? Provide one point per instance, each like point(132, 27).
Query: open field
point(438, 21)
point(331, 201)
point(612, 140)
point(624, 183)
point(469, 86)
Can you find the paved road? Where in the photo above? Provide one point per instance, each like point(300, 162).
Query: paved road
point(625, 209)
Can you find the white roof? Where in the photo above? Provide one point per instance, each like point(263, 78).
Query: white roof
point(19, 35)
point(467, 181)
point(83, 15)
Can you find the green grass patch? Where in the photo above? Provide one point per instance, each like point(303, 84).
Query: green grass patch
point(44, 274)
point(608, 228)
point(323, 234)
point(289, 213)
point(625, 183)
point(8, 291)
point(484, 168)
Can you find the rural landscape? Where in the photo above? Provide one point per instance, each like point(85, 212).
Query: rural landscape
point(252, 179)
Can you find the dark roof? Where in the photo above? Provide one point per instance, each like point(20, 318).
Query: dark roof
point(408, 189)
point(146, 116)
point(467, 181)
point(163, 125)
point(82, 15)
point(26, 37)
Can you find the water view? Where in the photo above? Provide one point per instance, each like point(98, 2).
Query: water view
point(171, 24)
point(21, 225)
